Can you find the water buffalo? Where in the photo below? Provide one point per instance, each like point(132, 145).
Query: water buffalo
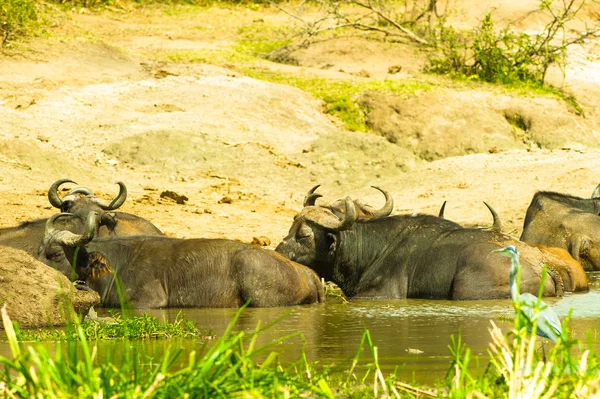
point(409, 256)
point(567, 222)
point(169, 272)
point(570, 272)
point(79, 201)
point(364, 211)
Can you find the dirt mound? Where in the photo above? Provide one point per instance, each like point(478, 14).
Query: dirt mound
point(334, 157)
point(19, 157)
point(37, 295)
point(358, 56)
point(450, 123)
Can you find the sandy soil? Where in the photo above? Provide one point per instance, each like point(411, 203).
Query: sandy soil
point(92, 104)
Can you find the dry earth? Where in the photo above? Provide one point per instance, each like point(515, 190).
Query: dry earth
point(91, 103)
point(37, 296)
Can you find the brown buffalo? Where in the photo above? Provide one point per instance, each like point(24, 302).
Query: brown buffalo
point(567, 222)
point(157, 271)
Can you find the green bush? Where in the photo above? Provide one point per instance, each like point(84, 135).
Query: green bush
point(504, 55)
point(17, 17)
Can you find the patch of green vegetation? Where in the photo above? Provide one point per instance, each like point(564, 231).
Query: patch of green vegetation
point(341, 96)
point(502, 56)
point(142, 327)
point(17, 18)
point(260, 39)
point(224, 58)
point(518, 122)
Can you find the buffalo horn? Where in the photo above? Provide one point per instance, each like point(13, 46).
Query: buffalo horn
point(311, 197)
point(442, 209)
point(497, 225)
point(65, 237)
point(388, 207)
point(116, 202)
point(81, 190)
point(330, 222)
point(53, 197)
point(596, 193)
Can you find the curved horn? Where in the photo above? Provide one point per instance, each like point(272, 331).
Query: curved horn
point(596, 193)
point(329, 221)
point(67, 238)
point(442, 209)
point(53, 197)
point(81, 190)
point(387, 209)
point(116, 202)
point(497, 225)
point(311, 197)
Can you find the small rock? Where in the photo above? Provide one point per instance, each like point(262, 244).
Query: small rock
point(43, 138)
point(180, 199)
point(161, 73)
point(494, 150)
point(226, 200)
point(394, 69)
point(261, 241)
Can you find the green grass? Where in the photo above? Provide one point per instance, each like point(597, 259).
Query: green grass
point(17, 18)
point(235, 366)
point(142, 327)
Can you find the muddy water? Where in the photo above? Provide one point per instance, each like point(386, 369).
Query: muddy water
point(412, 335)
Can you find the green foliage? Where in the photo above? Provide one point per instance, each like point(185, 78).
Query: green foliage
point(503, 55)
point(260, 39)
point(143, 327)
point(17, 18)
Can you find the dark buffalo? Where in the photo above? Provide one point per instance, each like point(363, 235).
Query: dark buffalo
point(567, 222)
point(560, 262)
point(365, 211)
point(402, 256)
point(79, 201)
point(169, 272)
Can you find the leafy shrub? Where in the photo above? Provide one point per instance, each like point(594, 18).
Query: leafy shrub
point(503, 55)
point(16, 18)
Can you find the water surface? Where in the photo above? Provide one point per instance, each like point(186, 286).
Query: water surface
point(411, 335)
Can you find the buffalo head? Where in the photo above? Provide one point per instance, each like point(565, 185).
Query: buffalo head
point(80, 201)
point(59, 243)
point(311, 238)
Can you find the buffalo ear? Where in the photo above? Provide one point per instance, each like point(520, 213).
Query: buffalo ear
point(97, 266)
point(109, 219)
point(580, 246)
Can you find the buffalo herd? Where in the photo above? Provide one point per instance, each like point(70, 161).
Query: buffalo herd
point(367, 252)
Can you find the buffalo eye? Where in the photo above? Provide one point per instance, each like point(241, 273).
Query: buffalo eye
point(304, 232)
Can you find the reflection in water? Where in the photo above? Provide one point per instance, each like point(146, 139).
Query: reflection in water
point(332, 332)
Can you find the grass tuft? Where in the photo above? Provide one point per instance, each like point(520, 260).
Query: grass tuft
point(142, 327)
